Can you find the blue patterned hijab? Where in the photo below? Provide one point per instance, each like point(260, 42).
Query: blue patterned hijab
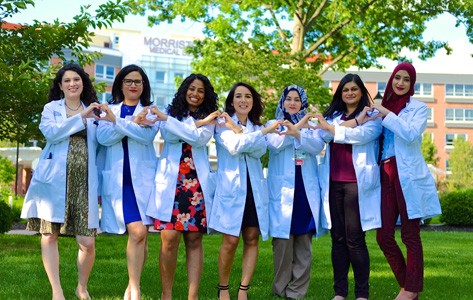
point(282, 114)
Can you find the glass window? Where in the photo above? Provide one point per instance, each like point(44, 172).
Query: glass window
point(449, 89)
point(110, 72)
point(381, 87)
point(449, 137)
point(447, 165)
point(458, 115)
point(427, 88)
point(99, 71)
point(429, 114)
point(458, 90)
point(449, 114)
point(468, 114)
point(178, 75)
point(417, 89)
point(468, 90)
point(160, 76)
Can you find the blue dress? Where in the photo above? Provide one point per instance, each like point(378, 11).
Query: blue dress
point(302, 221)
point(131, 212)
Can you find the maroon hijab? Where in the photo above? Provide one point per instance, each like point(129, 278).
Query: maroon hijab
point(391, 100)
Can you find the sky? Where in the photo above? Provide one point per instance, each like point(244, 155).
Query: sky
point(443, 28)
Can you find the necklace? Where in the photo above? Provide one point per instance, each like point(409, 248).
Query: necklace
point(77, 108)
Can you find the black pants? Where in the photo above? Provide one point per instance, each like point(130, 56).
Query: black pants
point(348, 240)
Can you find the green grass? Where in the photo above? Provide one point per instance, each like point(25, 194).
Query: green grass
point(448, 269)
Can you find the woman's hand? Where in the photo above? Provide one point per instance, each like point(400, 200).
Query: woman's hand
point(89, 111)
point(292, 129)
point(272, 128)
point(382, 111)
point(310, 120)
point(108, 114)
point(210, 119)
point(230, 124)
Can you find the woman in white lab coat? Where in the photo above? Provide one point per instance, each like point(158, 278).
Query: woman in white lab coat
point(241, 202)
point(63, 195)
point(184, 181)
point(408, 189)
point(130, 165)
point(294, 194)
point(349, 179)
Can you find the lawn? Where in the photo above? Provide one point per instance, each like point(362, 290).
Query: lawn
point(448, 269)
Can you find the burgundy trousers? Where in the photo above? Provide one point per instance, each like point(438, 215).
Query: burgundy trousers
point(409, 272)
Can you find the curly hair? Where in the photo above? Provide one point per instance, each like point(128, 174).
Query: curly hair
point(256, 111)
point(88, 94)
point(117, 93)
point(180, 109)
point(337, 106)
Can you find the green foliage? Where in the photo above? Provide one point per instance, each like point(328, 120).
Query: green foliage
point(457, 208)
point(272, 44)
point(7, 172)
point(25, 74)
point(6, 217)
point(461, 165)
point(429, 151)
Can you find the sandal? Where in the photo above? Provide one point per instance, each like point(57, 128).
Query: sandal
point(244, 288)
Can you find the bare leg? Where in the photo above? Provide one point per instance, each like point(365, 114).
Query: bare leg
point(50, 256)
point(85, 262)
point(250, 256)
point(136, 257)
point(167, 260)
point(195, 261)
point(226, 256)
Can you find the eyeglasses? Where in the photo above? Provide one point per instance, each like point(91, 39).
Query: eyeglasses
point(137, 82)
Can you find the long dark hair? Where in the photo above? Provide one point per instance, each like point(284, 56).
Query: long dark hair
point(88, 94)
point(337, 106)
point(256, 111)
point(117, 93)
point(180, 109)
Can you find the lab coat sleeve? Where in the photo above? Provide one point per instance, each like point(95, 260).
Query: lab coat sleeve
point(276, 142)
point(310, 141)
point(107, 135)
point(411, 129)
point(142, 134)
point(251, 143)
point(57, 131)
point(174, 130)
point(358, 135)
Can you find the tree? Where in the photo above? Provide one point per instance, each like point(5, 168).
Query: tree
point(461, 164)
point(429, 151)
point(272, 44)
point(26, 49)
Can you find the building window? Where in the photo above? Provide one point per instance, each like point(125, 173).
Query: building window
point(459, 114)
point(381, 87)
point(104, 97)
point(160, 76)
point(423, 89)
point(430, 114)
point(181, 75)
point(459, 90)
point(104, 72)
point(450, 138)
point(447, 166)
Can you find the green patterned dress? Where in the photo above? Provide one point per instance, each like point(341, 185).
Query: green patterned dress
point(77, 202)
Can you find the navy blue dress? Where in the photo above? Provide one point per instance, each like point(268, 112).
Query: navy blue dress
point(131, 213)
point(302, 219)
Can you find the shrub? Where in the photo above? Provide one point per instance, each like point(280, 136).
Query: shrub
point(6, 217)
point(457, 208)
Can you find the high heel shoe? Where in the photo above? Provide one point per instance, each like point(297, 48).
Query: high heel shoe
point(221, 288)
point(244, 288)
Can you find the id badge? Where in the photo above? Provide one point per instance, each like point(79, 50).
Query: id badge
point(300, 157)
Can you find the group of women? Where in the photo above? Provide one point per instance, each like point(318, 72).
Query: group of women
point(371, 173)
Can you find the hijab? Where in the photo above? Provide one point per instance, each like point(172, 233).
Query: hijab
point(282, 114)
point(391, 100)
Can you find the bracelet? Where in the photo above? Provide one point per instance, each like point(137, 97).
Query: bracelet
point(356, 121)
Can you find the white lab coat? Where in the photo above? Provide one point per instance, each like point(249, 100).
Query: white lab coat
point(365, 148)
point(175, 133)
point(281, 179)
point(142, 167)
point(46, 196)
point(238, 154)
point(418, 186)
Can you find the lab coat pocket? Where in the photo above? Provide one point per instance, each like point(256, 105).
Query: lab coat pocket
point(275, 184)
point(45, 170)
point(369, 177)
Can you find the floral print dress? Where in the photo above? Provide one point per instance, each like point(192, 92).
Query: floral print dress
point(188, 213)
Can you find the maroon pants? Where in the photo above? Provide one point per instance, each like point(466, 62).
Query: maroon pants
point(409, 273)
